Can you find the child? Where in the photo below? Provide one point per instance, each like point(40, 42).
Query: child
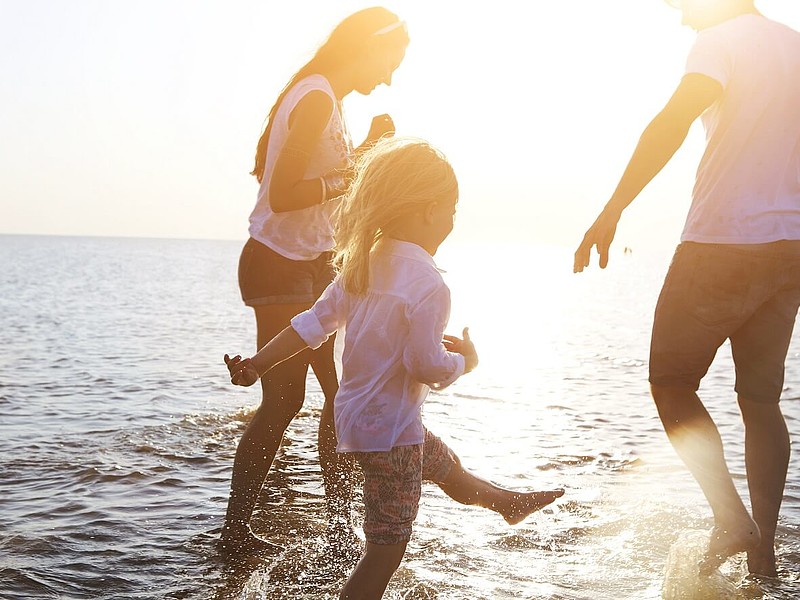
point(395, 305)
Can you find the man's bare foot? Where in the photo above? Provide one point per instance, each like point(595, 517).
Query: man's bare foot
point(236, 541)
point(761, 561)
point(727, 541)
point(520, 504)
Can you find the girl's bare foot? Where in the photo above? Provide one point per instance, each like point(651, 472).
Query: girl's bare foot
point(519, 505)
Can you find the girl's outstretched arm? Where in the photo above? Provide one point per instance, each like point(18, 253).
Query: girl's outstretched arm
point(249, 370)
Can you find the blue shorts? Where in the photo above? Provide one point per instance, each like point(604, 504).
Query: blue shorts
point(713, 292)
point(266, 277)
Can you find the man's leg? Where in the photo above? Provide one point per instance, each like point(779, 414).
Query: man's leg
point(696, 439)
point(759, 349)
point(708, 294)
point(767, 459)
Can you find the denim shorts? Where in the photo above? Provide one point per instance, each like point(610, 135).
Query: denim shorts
point(266, 277)
point(393, 486)
point(748, 294)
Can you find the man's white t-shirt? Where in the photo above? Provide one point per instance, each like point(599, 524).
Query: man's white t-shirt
point(306, 233)
point(393, 353)
point(747, 189)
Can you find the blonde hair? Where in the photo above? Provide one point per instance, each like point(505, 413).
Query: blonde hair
point(347, 43)
point(393, 179)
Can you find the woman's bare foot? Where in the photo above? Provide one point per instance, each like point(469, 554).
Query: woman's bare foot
point(728, 540)
point(235, 541)
point(343, 542)
point(519, 505)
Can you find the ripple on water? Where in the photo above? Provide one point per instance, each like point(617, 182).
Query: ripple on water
point(114, 473)
point(16, 584)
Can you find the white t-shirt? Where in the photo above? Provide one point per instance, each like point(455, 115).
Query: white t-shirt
point(393, 353)
point(747, 189)
point(302, 234)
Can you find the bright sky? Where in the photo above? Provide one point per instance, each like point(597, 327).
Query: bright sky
point(141, 118)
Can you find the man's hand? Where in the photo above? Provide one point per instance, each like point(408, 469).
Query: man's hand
point(600, 234)
point(465, 347)
point(241, 370)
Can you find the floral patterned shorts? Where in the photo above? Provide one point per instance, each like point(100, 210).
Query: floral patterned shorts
point(393, 486)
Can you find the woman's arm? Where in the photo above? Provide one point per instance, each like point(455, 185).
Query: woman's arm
point(288, 188)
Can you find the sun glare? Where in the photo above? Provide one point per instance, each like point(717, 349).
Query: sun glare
point(538, 110)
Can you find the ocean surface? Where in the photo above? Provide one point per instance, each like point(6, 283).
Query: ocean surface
point(118, 427)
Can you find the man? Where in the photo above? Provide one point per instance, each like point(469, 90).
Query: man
point(736, 273)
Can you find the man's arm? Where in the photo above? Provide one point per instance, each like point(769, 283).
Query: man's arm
point(657, 144)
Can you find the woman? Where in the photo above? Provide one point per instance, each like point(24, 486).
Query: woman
point(302, 163)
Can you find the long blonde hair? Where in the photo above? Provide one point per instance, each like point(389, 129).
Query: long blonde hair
point(394, 178)
point(346, 43)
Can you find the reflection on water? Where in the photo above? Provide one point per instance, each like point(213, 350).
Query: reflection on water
point(119, 430)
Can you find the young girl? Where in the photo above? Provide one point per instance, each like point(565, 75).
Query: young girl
point(395, 305)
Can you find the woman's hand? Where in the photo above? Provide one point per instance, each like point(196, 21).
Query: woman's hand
point(381, 126)
point(465, 347)
point(241, 370)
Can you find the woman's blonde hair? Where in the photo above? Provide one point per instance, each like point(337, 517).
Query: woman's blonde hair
point(393, 179)
point(347, 43)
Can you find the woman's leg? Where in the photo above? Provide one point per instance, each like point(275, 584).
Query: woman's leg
point(283, 392)
point(336, 468)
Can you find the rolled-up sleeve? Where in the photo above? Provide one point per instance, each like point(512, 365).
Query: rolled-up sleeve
point(424, 356)
point(316, 324)
point(709, 57)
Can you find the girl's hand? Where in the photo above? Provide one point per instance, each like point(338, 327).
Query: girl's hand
point(465, 347)
point(241, 370)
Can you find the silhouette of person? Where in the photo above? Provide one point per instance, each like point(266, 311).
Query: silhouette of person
point(736, 273)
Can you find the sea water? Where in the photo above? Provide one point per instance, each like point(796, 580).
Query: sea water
point(118, 427)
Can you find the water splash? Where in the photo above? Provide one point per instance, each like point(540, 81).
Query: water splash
point(682, 579)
